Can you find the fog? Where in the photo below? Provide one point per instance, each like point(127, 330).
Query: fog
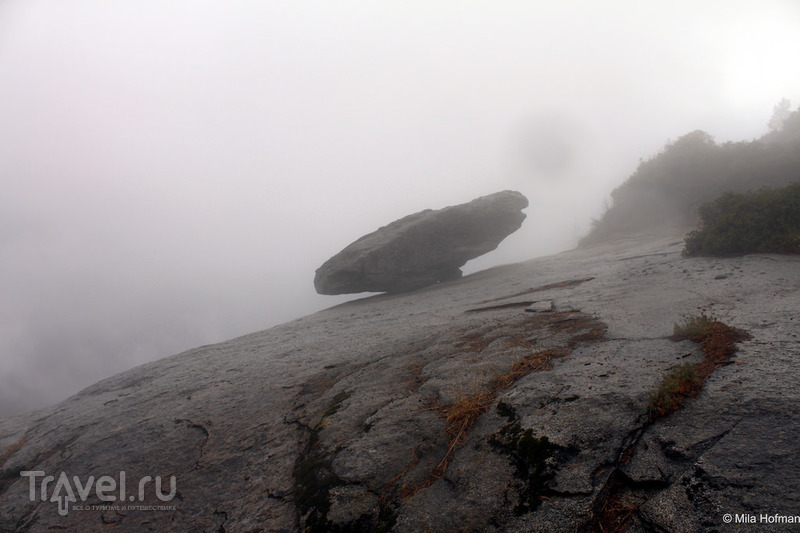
point(174, 172)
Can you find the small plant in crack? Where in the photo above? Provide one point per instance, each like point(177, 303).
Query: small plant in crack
point(461, 415)
point(336, 404)
point(679, 384)
point(718, 341)
point(693, 328)
point(463, 408)
point(616, 507)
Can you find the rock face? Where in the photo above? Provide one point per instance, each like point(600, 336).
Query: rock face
point(424, 248)
point(351, 419)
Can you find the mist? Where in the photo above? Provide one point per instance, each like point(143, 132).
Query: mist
point(174, 172)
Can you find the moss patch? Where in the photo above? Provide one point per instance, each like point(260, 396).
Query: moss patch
point(529, 455)
point(314, 476)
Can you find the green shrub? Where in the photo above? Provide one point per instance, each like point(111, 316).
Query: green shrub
point(766, 221)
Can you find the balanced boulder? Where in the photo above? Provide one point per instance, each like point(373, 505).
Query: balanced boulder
point(424, 248)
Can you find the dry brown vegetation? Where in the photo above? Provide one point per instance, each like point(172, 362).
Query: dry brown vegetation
point(617, 510)
point(681, 383)
point(534, 362)
point(470, 403)
point(461, 415)
point(719, 344)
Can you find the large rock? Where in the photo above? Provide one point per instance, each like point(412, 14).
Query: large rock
point(424, 248)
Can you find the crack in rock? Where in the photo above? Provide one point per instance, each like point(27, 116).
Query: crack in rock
point(224, 516)
point(192, 425)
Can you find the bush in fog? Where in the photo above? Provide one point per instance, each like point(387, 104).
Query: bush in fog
point(764, 221)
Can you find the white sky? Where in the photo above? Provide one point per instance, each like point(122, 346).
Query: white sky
point(173, 172)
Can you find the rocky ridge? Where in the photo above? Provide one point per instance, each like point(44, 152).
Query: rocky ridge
point(514, 399)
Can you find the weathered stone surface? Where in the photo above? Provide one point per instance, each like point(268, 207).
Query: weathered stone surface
point(334, 420)
point(424, 248)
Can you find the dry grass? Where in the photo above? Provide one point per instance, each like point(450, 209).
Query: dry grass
point(681, 383)
point(693, 328)
point(534, 362)
point(463, 413)
point(719, 345)
point(686, 381)
point(474, 398)
point(460, 417)
point(475, 390)
point(580, 327)
point(616, 512)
